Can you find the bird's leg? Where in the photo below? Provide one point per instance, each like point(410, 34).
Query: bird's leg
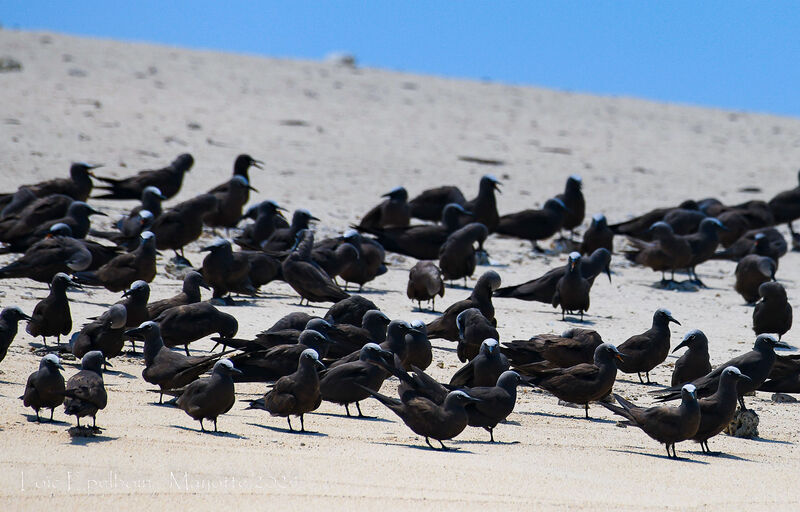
point(289, 419)
point(202, 428)
point(586, 409)
point(419, 304)
point(465, 285)
point(347, 409)
point(186, 348)
point(38, 419)
point(302, 424)
point(741, 402)
point(360, 414)
point(58, 339)
point(51, 414)
point(648, 376)
point(160, 397)
point(562, 314)
point(491, 434)
point(215, 424)
point(44, 340)
point(433, 304)
point(94, 422)
point(674, 453)
point(428, 442)
point(669, 455)
point(444, 448)
point(133, 346)
point(791, 229)
point(581, 315)
point(345, 285)
point(78, 419)
point(361, 287)
point(641, 380)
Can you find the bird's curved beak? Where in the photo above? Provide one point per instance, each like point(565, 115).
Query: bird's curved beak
point(620, 355)
point(203, 284)
point(607, 270)
point(26, 317)
point(671, 319)
point(745, 378)
point(237, 371)
point(134, 333)
point(313, 218)
point(58, 365)
point(680, 345)
point(319, 364)
point(250, 187)
point(107, 363)
point(92, 211)
point(258, 164)
point(474, 400)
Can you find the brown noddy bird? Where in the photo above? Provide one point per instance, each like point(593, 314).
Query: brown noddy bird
point(431, 203)
point(348, 338)
point(484, 206)
point(241, 167)
point(77, 218)
point(668, 251)
point(267, 218)
point(134, 299)
point(717, 411)
point(420, 241)
point(574, 202)
point(645, 351)
point(457, 255)
point(395, 342)
point(166, 368)
point(597, 236)
point(18, 201)
point(784, 377)
point(168, 180)
point(230, 202)
point(78, 186)
point(182, 325)
point(305, 277)
point(211, 397)
point(426, 418)
point(190, 293)
point(350, 310)
point(534, 225)
point(129, 230)
point(370, 264)
point(573, 346)
point(756, 364)
point(425, 283)
point(226, 271)
point(183, 223)
point(118, 274)
point(333, 260)
point(764, 242)
point(483, 369)
point(667, 425)
point(473, 329)
point(267, 365)
point(582, 383)
point(269, 338)
point(283, 239)
point(45, 387)
point(9, 319)
point(751, 272)
point(703, 244)
point(57, 252)
point(772, 313)
point(103, 334)
point(295, 394)
point(695, 362)
point(419, 351)
point(543, 288)
point(639, 226)
point(85, 391)
point(41, 210)
point(572, 290)
point(481, 298)
point(392, 212)
point(351, 382)
point(51, 316)
point(785, 206)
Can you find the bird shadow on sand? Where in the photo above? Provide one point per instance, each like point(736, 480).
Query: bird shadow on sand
point(78, 438)
point(720, 455)
point(648, 384)
point(209, 432)
point(658, 456)
point(577, 320)
point(447, 349)
point(354, 417)
point(455, 286)
point(287, 431)
point(771, 441)
point(426, 311)
point(119, 373)
point(567, 417)
point(490, 443)
point(45, 421)
point(370, 291)
point(426, 448)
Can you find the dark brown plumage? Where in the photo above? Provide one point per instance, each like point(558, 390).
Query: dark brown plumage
point(51, 316)
point(481, 298)
point(645, 351)
point(182, 325)
point(717, 411)
point(772, 313)
point(183, 223)
point(473, 329)
point(33, 215)
point(209, 398)
point(103, 334)
point(350, 310)
point(425, 283)
point(9, 319)
point(230, 202)
point(695, 362)
point(572, 290)
point(668, 252)
point(534, 225)
point(430, 204)
point(483, 369)
point(226, 271)
point(119, 273)
point(785, 206)
point(134, 299)
point(597, 236)
point(573, 346)
point(667, 425)
point(484, 206)
point(306, 278)
point(167, 179)
point(574, 202)
point(751, 272)
point(45, 387)
point(190, 293)
point(457, 255)
point(392, 212)
point(85, 391)
point(351, 382)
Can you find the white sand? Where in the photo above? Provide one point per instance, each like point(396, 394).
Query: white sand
point(368, 131)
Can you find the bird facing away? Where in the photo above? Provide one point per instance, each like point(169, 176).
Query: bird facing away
point(392, 212)
point(481, 298)
point(665, 424)
point(190, 293)
point(645, 351)
point(534, 225)
point(298, 393)
point(597, 236)
point(346, 383)
point(425, 283)
point(572, 290)
point(86, 393)
point(772, 313)
point(45, 387)
point(751, 271)
point(209, 398)
point(182, 325)
point(573, 346)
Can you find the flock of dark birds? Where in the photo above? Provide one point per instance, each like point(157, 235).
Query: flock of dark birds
point(345, 356)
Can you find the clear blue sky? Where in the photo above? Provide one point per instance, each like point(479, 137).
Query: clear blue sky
point(730, 54)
